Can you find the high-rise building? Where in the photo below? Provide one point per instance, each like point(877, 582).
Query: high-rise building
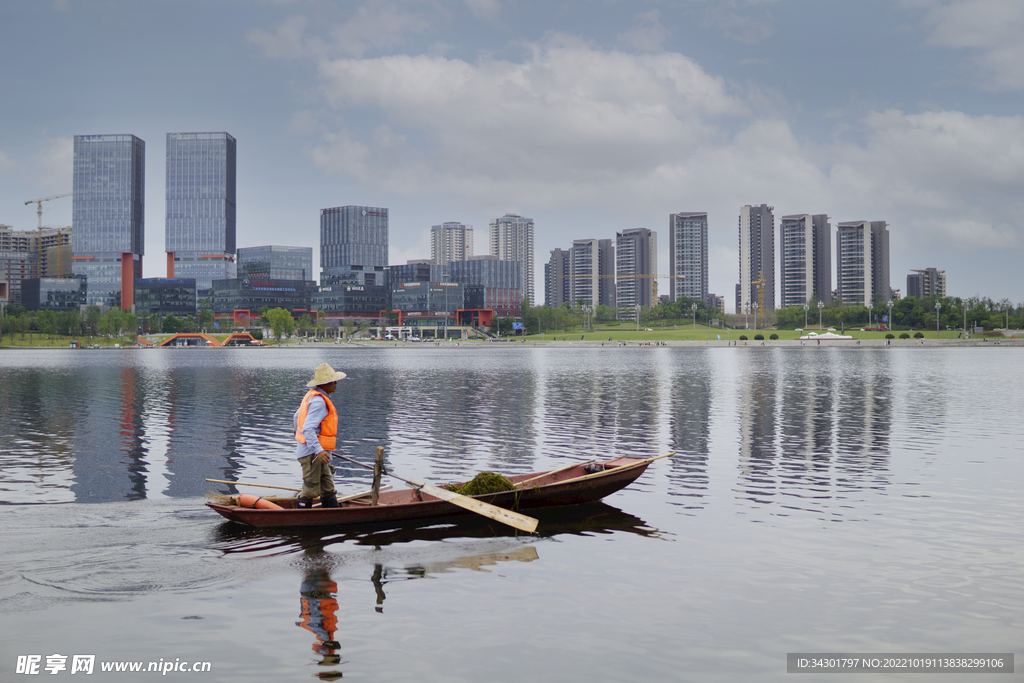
point(354, 244)
point(557, 282)
point(926, 283)
point(688, 255)
point(451, 241)
point(592, 273)
point(806, 259)
point(862, 262)
point(200, 221)
point(757, 260)
point(108, 216)
point(636, 268)
point(512, 240)
point(276, 262)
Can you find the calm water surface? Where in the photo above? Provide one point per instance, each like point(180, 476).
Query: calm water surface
point(821, 500)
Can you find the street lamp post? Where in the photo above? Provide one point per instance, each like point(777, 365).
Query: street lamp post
point(693, 307)
point(869, 306)
point(805, 315)
point(821, 305)
point(889, 304)
point(636, 308)
point(938, 305)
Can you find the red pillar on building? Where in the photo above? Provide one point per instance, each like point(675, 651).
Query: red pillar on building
point(127, 280)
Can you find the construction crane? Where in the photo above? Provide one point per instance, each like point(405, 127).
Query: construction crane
point(759, 282)
point(39, 205)
point(39, 215)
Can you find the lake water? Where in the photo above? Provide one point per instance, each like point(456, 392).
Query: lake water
point(829, 500)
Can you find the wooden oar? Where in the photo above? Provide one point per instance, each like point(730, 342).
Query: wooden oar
point(498, 514)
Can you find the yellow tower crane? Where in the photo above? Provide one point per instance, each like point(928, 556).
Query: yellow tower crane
point(39, 215)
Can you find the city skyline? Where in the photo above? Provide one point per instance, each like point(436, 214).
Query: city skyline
point(590, 119)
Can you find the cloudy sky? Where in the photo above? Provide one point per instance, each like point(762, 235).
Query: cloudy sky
point(589, 116)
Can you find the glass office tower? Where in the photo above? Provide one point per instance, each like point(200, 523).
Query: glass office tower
point(108, 235)
point(200, 222)
point(354, 245)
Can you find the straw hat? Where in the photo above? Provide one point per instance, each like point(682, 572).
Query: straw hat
point(325, 374)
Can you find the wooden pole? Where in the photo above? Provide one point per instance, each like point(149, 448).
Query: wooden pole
point(548, 474)
point(247, 483)
point(378, 467)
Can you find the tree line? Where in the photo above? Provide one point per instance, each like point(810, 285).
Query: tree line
point(908, 313)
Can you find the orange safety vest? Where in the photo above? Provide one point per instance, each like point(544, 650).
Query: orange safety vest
point(329, 426)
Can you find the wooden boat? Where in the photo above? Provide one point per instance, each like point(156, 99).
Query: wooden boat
point(571, 485)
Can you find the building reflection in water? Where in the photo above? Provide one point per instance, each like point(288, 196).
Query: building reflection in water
point(688, 397)
point(126, 425)
point(813, 430)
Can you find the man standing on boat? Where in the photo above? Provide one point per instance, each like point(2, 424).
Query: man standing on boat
point(316, 430)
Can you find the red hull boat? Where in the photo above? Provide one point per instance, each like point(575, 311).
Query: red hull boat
point(574, 485)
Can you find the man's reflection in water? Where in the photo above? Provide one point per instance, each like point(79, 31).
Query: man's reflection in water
point(319, 617)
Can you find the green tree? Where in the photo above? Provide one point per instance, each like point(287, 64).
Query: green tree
point(281, 322)
point(92, 320)
point(46, 321)
point(205, 316)
point(304, 325)
point(171, 324)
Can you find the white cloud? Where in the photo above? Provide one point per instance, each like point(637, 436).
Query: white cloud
point(408, 251)
point(567, 114)
point(286, 42)
point(648, 35)
point(487, 10)
point(7, 163)
point(993, 29)
point(376, 25)
point(945, 174)
point(51, 167)
point(738, 23)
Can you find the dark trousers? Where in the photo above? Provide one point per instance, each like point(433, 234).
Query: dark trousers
point(317, 478)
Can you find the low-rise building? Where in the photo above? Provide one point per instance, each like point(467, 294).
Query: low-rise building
point(53, 293)
point(245, 294)
point(165, 296)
